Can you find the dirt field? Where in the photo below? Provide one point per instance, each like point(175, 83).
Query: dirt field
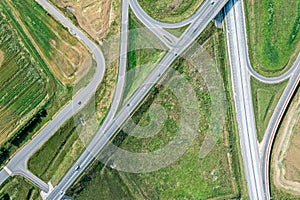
point(286, 162)
point(94, 16)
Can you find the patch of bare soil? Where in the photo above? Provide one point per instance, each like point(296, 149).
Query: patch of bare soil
point(92, 15)
point(286, 162)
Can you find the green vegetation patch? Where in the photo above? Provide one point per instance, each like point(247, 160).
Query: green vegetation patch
point(170, 10)
point(273, 32)
point(177, 31)
point(57, 149)
point(265, 98)
point(145, 51)
point(17, 188)
point(188, 178)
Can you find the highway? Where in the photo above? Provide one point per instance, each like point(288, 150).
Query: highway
point(292, 74)
point(243, 100)
point(102, 137)
point(256, 169)
point(17, 165)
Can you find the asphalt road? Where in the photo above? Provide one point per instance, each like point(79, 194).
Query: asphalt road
point(243, 100)
point(17, 165)
point(292, 73)
point(268, 140)
point(102, 137)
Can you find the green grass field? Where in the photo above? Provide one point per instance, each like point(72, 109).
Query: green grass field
point(273, 34)
point(143, 55)
point(17, 188)
point(265, 98)
point(170, 10)
point(189, 177)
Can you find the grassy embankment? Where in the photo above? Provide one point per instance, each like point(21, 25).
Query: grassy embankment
point(216, 176)
point(170, 10)
point(265, 98)
point(273, 34)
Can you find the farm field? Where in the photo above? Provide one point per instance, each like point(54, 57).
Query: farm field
point(95, 17)
point(170, 10)
point(216, 176)
point(20, 189)
point(68, 59)
point(24, 84)
point(285, 168)
point(273, 34)
point(265, 98)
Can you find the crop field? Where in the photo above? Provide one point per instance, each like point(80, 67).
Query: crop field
point(265, 98)
point(24, 86)
point(95, 17)
point(68, 59)
point(273, 34)
point(170, 10)
point(285, 168)
point(190, 177)
point(17, 188)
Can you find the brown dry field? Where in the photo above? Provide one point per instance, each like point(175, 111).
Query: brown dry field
point(93, 16)
point(286, 162)
point(70, 59)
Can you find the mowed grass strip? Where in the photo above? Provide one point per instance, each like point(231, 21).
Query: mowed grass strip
point(170, 10)
point(265, 98)
point(273, 34)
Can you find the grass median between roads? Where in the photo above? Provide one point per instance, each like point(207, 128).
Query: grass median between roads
point(216, 176)
point(273, 34)
point(265, 98)
point(142, 43)
point(170, 10)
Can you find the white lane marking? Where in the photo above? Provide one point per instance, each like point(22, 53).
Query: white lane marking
point(7, 170)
